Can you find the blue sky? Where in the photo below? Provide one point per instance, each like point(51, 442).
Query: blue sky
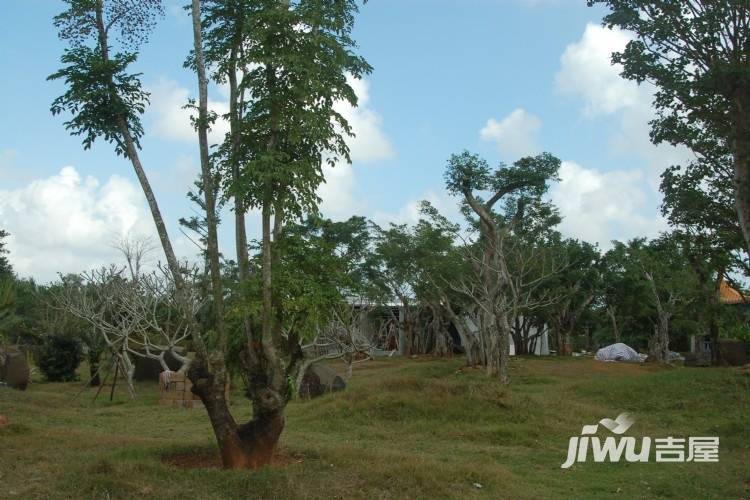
point(503, 78)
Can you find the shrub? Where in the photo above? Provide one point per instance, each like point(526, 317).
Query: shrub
point(58, 357)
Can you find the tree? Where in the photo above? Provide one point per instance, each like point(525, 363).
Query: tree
point(466, 175)
point(320, 268)
point(202, 124)
point(6, 270)
point(7, 295)
point(573, 288)
point(59, 357)
point(648, 284)
point(134, 315)
point(412, 264)
point(536, 256)
point(698, 202)
point(59, 320)
point(106, 101)
point(394, 255)
point(697, 53)
point(297, 59)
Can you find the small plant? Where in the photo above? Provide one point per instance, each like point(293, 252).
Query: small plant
point(58, 358)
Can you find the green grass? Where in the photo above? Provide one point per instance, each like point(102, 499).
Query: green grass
point(423, 428)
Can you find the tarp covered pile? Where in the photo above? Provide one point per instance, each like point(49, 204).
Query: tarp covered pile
point(618, 352)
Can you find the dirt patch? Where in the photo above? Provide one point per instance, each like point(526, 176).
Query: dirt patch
point(210, 459)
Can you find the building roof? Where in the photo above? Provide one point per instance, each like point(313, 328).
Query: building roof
point(728, 295)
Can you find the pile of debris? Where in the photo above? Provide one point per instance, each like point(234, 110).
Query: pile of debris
point(619, 352)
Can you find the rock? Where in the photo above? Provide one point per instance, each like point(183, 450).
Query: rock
point(14, 370)
point(320, 379)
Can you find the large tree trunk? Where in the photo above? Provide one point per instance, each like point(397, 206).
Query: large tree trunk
point(442, 343)
point(468, 339)
point(559, 340)
point(659, 343)
point(740, 145)
point(713, 325)
point(236, 102)
point(212, 242)
point(499, 351)
point(250, 445)
point(520, 332)
point(612, 316)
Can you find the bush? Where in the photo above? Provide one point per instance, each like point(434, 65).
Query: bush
point(58, 358)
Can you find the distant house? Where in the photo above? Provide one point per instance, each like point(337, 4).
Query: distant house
point(731, 351)
point(730, 296)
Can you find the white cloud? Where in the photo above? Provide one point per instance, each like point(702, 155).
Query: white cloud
point(178, 178)
point(409, 213)
point(603, 206)
point(516, 135)
point(170, 119)
point(338, 200)
point(586, 71)
point(7, 159)
point(370, 143)
point(66, 223)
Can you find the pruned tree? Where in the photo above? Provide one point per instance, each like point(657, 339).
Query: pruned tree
point(468, 175)
point(343, 337)
point(138, 315)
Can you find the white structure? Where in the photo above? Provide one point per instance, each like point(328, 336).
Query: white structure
point(541, 347)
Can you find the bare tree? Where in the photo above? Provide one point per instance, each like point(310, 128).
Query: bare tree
point(526, 181)
point(135, 251)
point(344, 337)
point(136, 316)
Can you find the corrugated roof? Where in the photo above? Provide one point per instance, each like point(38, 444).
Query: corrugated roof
point(728, 295)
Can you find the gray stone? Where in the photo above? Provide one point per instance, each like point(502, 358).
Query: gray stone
point(320, 379)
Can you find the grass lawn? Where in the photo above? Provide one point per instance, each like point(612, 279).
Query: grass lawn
point(411, 428)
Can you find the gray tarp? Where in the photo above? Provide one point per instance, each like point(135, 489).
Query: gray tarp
point(618, 352)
